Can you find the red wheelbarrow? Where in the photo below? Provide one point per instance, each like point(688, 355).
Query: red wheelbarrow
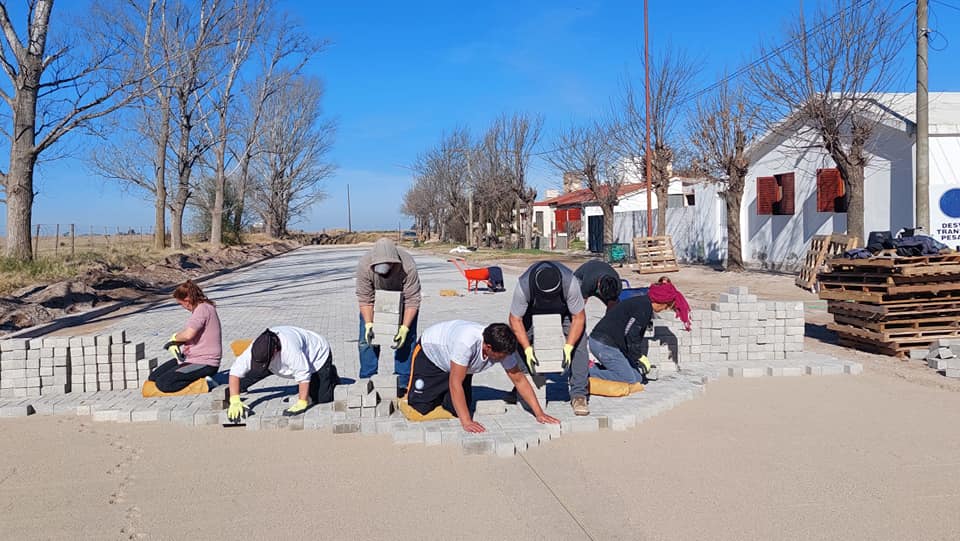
point(473, 276)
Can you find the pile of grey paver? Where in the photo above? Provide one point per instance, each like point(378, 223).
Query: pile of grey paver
point(943, 357)
point(737, 328)
point(33, 367)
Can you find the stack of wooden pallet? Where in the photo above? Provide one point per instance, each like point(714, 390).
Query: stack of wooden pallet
point(655, 254)
point(890, 304)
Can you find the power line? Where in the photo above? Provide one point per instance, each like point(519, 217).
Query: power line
point(748, 67)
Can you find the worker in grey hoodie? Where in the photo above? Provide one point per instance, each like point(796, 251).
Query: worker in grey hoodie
point(388, 268)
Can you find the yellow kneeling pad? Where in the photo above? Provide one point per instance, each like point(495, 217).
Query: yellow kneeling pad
point(149, 389)
point(239, 346)
point(605, 387)
point(414, 415)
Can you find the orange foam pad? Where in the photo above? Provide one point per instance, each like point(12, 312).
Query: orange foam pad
point(414, 415)
point(605, 387)
point(149, 389)
point(239, 346)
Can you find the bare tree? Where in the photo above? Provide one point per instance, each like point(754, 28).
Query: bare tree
point(587, 151)
point(516, 137)
point(54, 87)
point(443, 170)
point(285, 44)
point(671, 74)
point(825, 85)
point(290, 164)
point(247, 23)
point(721, 129)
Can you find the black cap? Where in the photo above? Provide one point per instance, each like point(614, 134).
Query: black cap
point(547, 278)
point(264, 347)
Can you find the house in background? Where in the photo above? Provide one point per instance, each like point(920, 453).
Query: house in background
point(794, 190)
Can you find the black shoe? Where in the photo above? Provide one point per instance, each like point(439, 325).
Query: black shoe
point(401, 392)
point(511, 396)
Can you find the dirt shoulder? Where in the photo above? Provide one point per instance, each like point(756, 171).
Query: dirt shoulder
point(100, 281)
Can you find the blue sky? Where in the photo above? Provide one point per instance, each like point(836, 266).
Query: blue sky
point(398, 75)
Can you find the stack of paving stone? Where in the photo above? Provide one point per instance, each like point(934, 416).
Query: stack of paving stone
point(737, 328)
point(943, 358)
point(108, 363)
point(59, 365)
point(367, 398)
point(19, 369)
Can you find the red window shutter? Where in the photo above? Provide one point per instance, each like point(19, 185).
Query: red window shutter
point(561, 219)
point(787, 185)
point(573, 215)
point(831, 192)
point(767, 194)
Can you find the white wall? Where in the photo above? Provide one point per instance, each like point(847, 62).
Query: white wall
point(782, 241)
point(944, 176)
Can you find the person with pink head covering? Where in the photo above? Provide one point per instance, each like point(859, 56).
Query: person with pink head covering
point(664, 293)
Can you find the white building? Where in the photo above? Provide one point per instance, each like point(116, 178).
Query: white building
point(805, 186)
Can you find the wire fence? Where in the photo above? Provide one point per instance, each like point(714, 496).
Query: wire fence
point(66, 240)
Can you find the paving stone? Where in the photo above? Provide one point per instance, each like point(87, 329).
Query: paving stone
point(408, 435)
point(853, 368)
point(478, 446)
point(105, 415)
point(144, 416)
point(346, 427)
point(17, 411)
point(580, 424)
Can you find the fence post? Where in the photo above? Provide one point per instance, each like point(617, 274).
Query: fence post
point(36, 243)
point(73, 242)
point(56, 242)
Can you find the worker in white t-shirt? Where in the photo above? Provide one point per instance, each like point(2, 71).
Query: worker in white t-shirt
point(449, 354)
point(289, 352)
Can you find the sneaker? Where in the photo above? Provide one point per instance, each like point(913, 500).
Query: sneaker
point(579, 404)
point(511, 396)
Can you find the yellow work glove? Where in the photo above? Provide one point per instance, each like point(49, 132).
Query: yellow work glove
point(531, 360)
point(401, 337)
point(644, 364)
point(368, 332)
point(296, 409)
point(237, 410)
point(174, 348)
point(567, 355)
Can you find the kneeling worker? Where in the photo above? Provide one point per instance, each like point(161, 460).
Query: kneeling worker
point(617, 338)
point(445, 360)
point(288, 352)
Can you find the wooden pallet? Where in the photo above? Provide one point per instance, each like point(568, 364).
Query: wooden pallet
point(655, 254)
point(822, 248)
point(875, 312)
point(813, 261)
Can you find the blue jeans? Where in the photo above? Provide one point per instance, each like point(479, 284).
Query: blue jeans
point(369, 360)
point(616, 367)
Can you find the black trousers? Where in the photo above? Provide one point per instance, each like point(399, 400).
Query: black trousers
point(322, 382)
point(430, 386)
point(172, 376)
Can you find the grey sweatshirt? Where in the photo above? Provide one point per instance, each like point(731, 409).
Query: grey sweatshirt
point(402, 277)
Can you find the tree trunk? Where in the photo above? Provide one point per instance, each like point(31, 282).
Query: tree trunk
point(20, 198)
point(854, 186)
point(176, 226)
point(23, 159)
point(528, 229)
point(216, 213)
point(662, 198)
point(733, 200)
point(607, 223)
point(241, 195)
point(160, 179)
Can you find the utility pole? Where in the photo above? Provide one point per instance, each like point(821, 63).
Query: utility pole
point(923, 123)
point(646, 119)
point(349, 221)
